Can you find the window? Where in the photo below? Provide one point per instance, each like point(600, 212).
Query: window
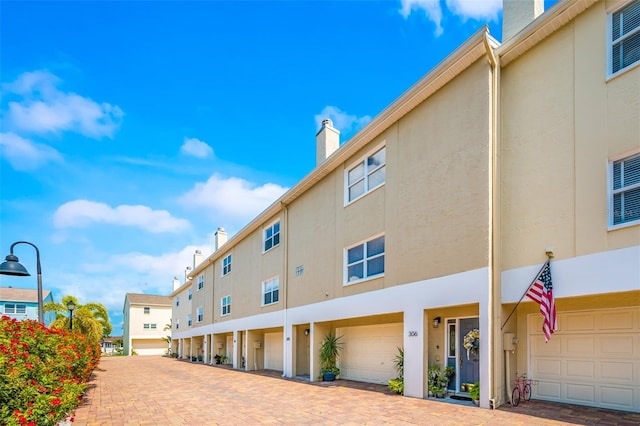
point(189, 320)
point(177, 324)
point(365, 260)
point(190, 294)
point(200, 314)
point(225, 302)
point(299, 270)
point(201, 282)
point(15, 308)
point(625, 192)
point(226, 265)
point(154, 326)
point(147, 309)
point(270, 290)
point(625, 37)
point(147, 326)
point(178, 301)
point(272, 236)
point(367, 175)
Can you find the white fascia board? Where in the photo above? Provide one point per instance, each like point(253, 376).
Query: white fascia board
point(605, 272)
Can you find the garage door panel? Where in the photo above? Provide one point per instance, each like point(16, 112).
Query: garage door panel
point(598, 367)
point(274, 351)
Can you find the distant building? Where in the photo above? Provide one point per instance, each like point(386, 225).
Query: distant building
point(111, 345)
point(145, 319)
point(22, 304)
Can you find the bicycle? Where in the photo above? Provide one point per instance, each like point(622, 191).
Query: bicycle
point(521, 390)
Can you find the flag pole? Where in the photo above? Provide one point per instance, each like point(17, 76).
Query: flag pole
point(549, 255)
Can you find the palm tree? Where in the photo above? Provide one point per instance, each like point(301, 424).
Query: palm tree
point(91, 319)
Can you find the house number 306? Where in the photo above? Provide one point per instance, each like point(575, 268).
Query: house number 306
point(413, 333)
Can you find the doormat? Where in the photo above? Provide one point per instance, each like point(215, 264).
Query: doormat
point(460, 397)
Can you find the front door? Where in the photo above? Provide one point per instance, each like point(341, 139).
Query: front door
point(468, 367)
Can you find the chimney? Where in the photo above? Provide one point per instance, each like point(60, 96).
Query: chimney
point(219, 238)
point(197, 258)
point(176, 283)
point(517, 14)
point(327, 141)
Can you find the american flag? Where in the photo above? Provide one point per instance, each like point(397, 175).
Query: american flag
point(541, 292)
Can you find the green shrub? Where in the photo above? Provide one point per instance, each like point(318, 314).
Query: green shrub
point(396, 386)
point(44, 372)
point(474, 393)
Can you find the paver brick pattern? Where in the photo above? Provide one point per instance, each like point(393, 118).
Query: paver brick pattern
point(164, 391)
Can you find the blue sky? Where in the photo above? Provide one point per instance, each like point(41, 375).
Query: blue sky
point(130, 131)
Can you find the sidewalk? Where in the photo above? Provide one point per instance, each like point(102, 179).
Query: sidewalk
point(164, 391)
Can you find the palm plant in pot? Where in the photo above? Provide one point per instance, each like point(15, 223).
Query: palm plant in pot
point(329, 352)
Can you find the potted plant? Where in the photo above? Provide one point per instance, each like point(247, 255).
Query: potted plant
point(474, 393)
point(223, 359)
point(329, 352)
point(397, 385)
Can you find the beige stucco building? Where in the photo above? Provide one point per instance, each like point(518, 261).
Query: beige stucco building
point(433, 220)
point(145, 318)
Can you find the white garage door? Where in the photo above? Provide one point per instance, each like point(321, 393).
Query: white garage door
point(368, 352)
point(273, 351)
point(593, 359)
point(149, 346)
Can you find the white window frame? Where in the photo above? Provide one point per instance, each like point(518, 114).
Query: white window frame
point(146, 310)
point(226, 265)
point(271, 282)
point(346, 280)
point(273, 236)
point(154, 326)
point(18, 308)
point(225, 308)
point(189, 321)
point(177, 301)
point(177, 323)
point(190, 294)
point(146, 326)
point(611, 192)
point(200, 282)
point(368, 171)
point(610, 43)
point(200, 314)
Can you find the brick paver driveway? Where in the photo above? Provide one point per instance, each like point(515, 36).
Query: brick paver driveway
point(165, 391)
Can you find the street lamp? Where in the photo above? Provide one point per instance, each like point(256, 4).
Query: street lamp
point(71, 306)
point(12, 266)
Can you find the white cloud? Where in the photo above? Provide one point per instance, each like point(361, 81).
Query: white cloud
point(45, 109)
point(234, 198)
point(81, 213)
point(475, 9)
point(24, 154)
point(196, 148)
point(341, 120)
point(431, 9)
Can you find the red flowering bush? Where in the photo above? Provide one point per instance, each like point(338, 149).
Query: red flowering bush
point(44, 372)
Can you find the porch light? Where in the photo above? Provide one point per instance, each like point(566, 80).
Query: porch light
point(436, 322)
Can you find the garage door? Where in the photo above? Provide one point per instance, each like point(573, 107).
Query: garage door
point(149, 347)
point(368, 352)
point(593, 359)
point(273, 351)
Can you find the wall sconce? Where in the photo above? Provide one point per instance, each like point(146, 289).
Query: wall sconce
point(436, 322)
point(307, 331)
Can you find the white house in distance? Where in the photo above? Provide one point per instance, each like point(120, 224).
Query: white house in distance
point(145, 319)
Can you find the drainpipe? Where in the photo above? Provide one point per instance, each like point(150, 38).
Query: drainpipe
point(493, 221)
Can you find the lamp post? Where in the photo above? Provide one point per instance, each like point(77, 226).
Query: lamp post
point(71, 306)
point(12, 266)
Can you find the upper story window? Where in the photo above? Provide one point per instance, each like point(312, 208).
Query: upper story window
point(625, 37)
point(200, 281)
point(177, 324)
point(147, 310)
point(190, 294)
point(272, 236)
point(365, 176)
point(146, 326)
point(270, 291)
point(226, 265)
point(189, 320)
point(178, 301)
point(625, 190)
point(15, 308)
point(365, 260)
point(225, 304)
point(200, 314)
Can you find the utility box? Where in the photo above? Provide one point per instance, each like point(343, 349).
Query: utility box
point(509, 341)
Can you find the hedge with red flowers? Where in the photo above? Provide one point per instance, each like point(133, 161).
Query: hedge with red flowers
point(44, 372)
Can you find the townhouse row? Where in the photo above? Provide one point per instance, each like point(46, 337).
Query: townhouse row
point(432, 221)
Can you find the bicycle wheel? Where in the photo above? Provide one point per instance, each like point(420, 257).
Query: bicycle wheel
point(515, 397)
point(527, 392)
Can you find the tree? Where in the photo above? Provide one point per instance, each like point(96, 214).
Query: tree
point(91, 319)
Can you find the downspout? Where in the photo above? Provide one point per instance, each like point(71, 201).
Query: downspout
point(285, 285)
point(493, 221)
